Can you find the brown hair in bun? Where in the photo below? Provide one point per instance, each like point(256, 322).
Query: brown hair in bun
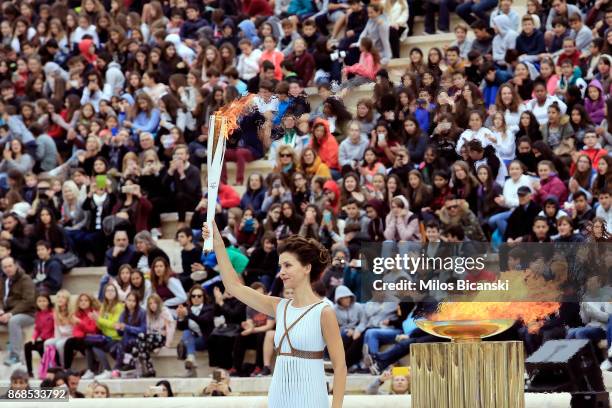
point(308, 252)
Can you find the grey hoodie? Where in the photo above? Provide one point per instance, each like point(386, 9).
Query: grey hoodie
point(505, 40)
point(351, 317)
point(376, 312)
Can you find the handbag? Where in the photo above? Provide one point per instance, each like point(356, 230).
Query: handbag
point(228, 330)
point(47, 362)
point(68, 260)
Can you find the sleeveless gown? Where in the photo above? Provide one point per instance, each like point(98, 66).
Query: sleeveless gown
point(299, 382)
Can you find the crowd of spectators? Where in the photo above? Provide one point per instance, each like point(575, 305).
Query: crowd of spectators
point(502, 135)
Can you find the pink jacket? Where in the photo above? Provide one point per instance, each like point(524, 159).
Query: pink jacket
point(403, 228)
point(365, 67)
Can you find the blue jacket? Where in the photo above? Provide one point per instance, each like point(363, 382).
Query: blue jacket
point(132, 332)
point(489, 94)
point(253, 199)
point(189, 28)
point(422, 117)
point(146, 123)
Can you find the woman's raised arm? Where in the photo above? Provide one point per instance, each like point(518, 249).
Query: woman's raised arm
point(258, 301)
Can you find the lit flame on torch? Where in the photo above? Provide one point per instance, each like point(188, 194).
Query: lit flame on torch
point(233, 110)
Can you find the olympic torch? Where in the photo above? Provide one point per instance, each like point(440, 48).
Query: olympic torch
point(217, 136)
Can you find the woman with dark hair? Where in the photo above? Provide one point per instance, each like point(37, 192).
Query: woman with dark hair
point(416, 66)
point(487, 191)
point(432, 161)
point(434, 59)
point(254, 195)
point(305, 324)
point(470, 100)
point(170, 62)
point(414, 139)
point(528, 126)
point(417, 192)
point(166, 389)
point(384, 142)
point(290, 220)
point(145, 117)
point(166, 285)
point(300, 192)
point(337, 116)
point(15, 158)
point(173, 114)
point(196, 322)
point(368, 117)
point(580, 121)
point(47, 229)
point(508, 101)
point(325, 145)
point(134, 205)
point(395, 187)
point(603, 175)
point(445, 136)
point(465, 185)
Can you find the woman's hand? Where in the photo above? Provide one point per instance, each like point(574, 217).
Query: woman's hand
point(385, 376)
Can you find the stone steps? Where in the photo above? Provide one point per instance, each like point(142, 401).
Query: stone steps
point(188, 387)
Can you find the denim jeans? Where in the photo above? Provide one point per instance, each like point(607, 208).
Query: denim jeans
point(480, 9)
point(193, 342)
point(444, 9)
point(499, 221)
point(375, 337)
point(587, 333)
point(386, 358)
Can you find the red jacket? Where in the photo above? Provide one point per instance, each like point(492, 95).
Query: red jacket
point(86, 325)
point(228, 197)
point(326, 148)
point(594, 155)
point(43, 325)
point(551, 186)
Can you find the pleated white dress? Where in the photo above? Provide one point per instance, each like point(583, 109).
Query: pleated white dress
point(299, 382)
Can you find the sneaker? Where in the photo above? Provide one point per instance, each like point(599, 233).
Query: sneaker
point(266, 371)
point(115, 374)
point(11, 360)
point(606, 365)
point(181, 350)
point(374, 369)
point(190, 362)
point(367, 357)
point(104, 375)
point(126, 367)
point(256, 372)
point(88, 375)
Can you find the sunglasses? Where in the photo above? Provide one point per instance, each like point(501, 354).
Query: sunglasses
point(285, 155)
point(452, 207)
point(197, 296)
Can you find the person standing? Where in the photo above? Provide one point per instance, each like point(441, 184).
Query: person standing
point(306, 325)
